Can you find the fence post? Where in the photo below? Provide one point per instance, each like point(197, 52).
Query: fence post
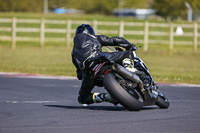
point(146, 35)
point(95, 25)
point(121, 29)
point(195, 36)
point(68, 38)
point(42, 32)
point(14, 33)
point(171, 37)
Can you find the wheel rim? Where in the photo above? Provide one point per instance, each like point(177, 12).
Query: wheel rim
point(132, 92)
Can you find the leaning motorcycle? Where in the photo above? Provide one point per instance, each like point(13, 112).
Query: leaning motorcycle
point(124, 86)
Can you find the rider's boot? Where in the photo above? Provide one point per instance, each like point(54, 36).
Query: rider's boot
point(103, 97)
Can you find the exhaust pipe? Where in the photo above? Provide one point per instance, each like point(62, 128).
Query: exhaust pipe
point(131, 76)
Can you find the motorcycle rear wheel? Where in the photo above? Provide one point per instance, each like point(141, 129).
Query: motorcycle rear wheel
point(120, 94)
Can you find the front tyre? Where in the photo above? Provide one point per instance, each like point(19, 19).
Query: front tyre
point(120, 94)
point(162, 101)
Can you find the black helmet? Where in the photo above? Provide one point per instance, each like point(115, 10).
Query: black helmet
point(85, 28)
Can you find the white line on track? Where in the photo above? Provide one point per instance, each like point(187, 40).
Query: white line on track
point(32, 102)
point(37, 76)
point(6, 101)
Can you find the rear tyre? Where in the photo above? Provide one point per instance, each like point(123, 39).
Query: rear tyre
point(120, 94)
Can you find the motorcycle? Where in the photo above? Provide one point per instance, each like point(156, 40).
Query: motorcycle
point(125, 86)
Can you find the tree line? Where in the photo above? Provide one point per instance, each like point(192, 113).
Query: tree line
point(165, 8)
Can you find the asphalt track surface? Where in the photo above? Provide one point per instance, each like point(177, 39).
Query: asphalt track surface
point(32, 105)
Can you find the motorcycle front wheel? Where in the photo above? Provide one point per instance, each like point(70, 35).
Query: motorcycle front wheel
point(162, 101)
point(127, 100)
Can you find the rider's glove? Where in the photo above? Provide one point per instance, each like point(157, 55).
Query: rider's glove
point(128, 46)
point(133, 47)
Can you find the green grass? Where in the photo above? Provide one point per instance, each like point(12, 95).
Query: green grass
point(179, 67)
point(49, 61)
point(176, 67)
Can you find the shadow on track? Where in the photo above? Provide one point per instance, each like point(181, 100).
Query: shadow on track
point(103, 108)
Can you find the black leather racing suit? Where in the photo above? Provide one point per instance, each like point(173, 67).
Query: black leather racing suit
point(87, 46)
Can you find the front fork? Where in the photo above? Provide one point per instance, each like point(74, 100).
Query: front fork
point(152, 90)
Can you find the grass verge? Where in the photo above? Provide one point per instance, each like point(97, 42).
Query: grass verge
point(177, 67)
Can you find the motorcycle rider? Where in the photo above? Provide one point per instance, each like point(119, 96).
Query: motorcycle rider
point(87, 45)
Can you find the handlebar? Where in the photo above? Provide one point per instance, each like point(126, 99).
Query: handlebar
point(129, 46)
point(134, 48)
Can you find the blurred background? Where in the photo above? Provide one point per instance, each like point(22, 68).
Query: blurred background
point(165, 9)
point(36, 36)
